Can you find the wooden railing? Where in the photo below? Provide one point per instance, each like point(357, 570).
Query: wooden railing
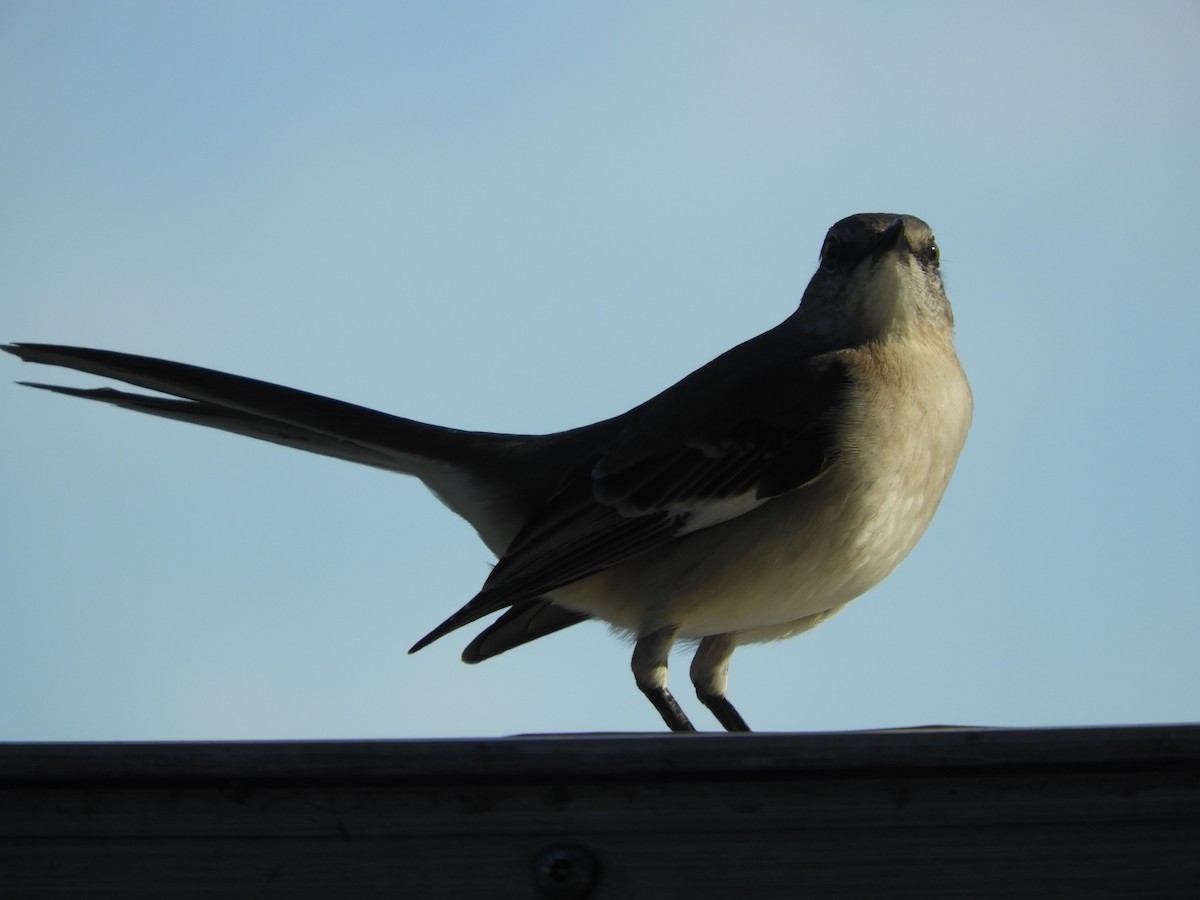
point(926, 813)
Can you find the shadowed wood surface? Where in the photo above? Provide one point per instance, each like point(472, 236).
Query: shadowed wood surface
point(923, 813)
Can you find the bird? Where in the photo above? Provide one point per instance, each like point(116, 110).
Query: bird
point(747, 503)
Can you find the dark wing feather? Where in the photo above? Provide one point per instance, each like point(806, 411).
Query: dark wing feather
point(524, 622)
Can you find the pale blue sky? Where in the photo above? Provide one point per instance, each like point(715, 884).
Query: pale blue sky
point(527, 216)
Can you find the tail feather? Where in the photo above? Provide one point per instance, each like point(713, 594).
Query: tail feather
point(213, 416)
point(479, 475)
point(217, 398)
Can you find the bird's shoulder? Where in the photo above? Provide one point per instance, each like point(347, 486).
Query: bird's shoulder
point(769, 402)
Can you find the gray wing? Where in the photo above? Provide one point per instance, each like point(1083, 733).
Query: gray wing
point(768, 427)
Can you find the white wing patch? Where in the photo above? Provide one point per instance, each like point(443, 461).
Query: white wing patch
point(714, 511)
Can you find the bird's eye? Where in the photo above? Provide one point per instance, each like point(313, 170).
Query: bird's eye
point(833, 254)
point(933, 255)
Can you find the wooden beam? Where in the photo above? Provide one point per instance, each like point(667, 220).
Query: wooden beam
point(926, 813)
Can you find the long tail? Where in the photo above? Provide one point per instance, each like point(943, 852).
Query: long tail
point(257, 408)
point(472, 472)
point(488, 479)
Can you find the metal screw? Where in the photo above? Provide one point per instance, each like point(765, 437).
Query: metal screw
point(565, 872)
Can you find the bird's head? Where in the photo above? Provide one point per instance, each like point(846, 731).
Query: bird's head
point(878, 276)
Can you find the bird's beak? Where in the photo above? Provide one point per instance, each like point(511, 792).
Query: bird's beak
point(893, 238)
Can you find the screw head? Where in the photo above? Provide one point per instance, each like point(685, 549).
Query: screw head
point(565, 872)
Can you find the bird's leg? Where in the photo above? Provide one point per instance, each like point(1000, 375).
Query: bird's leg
point(710, 674)
point(650, 672)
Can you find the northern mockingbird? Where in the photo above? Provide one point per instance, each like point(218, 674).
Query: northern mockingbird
point(747, 503)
